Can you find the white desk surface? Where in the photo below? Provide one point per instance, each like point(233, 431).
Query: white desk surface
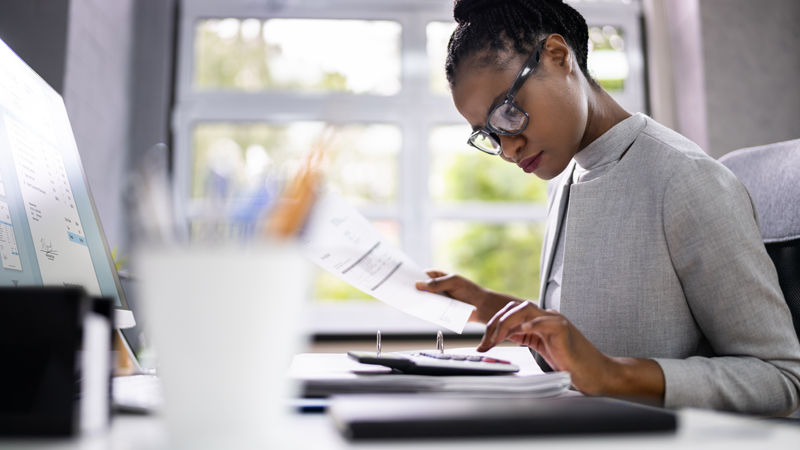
point(696, 429)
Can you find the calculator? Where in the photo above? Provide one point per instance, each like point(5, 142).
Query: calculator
point(436, 363)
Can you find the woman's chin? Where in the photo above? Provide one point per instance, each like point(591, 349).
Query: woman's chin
point(547, 170)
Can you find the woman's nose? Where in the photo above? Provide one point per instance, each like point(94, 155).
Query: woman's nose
point(509, 147)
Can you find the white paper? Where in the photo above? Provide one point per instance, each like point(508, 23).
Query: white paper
point(343, 242)
point(9, 253)
point(316, 365)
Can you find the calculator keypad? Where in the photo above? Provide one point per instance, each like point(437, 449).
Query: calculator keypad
point(473, 358)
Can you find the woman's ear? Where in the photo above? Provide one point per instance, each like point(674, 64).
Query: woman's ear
point(556, 54)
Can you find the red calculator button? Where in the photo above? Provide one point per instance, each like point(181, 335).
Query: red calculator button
point(492, 360)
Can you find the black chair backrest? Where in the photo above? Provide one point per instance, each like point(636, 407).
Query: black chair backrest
point(771, 174)
point(786, 256)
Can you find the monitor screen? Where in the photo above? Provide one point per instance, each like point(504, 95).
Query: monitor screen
point(50, 233)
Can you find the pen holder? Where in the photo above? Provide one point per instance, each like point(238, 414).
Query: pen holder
point(225, 322)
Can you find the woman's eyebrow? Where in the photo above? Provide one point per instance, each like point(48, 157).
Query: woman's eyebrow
point(492, 106)
point(496, 102)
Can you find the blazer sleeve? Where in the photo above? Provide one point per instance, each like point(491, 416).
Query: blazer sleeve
point(732, 290)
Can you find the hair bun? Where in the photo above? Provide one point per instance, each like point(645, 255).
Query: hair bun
point(464, 10)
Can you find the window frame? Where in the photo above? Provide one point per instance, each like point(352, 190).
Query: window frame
point(414, 109)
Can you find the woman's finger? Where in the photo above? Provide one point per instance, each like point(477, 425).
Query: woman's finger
point(505, 321)
point(508, 321)
point(492, 324)
point(555, 336)
point(435, 273)
point(539, 335)
point(440, 284)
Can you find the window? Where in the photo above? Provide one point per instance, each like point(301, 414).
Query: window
point(302, 55)
point(257, 81)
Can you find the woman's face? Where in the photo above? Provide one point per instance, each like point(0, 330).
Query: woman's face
point(553, 97)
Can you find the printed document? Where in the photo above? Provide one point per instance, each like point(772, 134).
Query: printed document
point(340, 240)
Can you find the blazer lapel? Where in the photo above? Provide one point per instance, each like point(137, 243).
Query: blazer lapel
point(555, 212)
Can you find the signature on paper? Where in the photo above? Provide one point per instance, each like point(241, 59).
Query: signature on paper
point(47, 248)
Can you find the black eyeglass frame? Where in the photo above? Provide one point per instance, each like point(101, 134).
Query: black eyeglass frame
point(490, 132)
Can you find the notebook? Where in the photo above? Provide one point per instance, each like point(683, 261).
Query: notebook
point(404, 416)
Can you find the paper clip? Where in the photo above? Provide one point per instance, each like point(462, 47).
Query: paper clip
point(378, 344)
point(440, 341)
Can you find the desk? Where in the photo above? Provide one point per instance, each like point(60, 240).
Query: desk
point(696, 429)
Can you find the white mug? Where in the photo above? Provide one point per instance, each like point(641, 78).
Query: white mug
point(226, 322)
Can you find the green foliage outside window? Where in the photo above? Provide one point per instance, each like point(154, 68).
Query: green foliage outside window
point(278, 54)
point(471, 176)
point(607, 60)
point(231, 61)
point(503, 257)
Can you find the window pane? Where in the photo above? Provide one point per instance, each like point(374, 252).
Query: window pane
point(328, 287)
point(462, 173)
point(607, 61)
point(362, 159)
point(500, 257)
point(438, 35)
point(308, 55)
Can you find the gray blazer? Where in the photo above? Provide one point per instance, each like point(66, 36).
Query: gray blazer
point(663, 259)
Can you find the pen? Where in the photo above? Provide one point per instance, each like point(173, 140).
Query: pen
point(296, 202)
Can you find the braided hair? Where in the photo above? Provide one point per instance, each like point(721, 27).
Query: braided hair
point(495, 25)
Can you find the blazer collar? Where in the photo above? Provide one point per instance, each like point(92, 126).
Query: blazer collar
point(556, 210)
point(610, 146)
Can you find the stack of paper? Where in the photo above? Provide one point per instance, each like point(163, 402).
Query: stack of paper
point(325, 374)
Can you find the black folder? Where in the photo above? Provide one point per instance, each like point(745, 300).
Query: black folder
point(430, 416)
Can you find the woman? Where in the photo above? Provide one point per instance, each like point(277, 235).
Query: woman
point(655, 281)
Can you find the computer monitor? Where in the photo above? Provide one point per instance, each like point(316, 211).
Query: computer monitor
point(50, 233)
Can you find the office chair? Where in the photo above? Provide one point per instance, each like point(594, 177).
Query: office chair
point(772, 175)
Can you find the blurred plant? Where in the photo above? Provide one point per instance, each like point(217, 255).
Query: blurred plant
point(476, 177)
point(502, 257)
point(607, 61)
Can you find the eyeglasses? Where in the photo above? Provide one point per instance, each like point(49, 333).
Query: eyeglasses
point(507, 118)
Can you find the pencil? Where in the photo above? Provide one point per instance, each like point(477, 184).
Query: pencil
point(297, 200)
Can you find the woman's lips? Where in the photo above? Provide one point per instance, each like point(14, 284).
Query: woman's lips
point(530, 164)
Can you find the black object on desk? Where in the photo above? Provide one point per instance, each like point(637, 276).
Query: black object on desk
point(48, 358)
point(428, 416)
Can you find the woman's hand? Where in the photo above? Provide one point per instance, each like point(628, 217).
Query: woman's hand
point(554, 337)
point(565, 348)
point(455, 286)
